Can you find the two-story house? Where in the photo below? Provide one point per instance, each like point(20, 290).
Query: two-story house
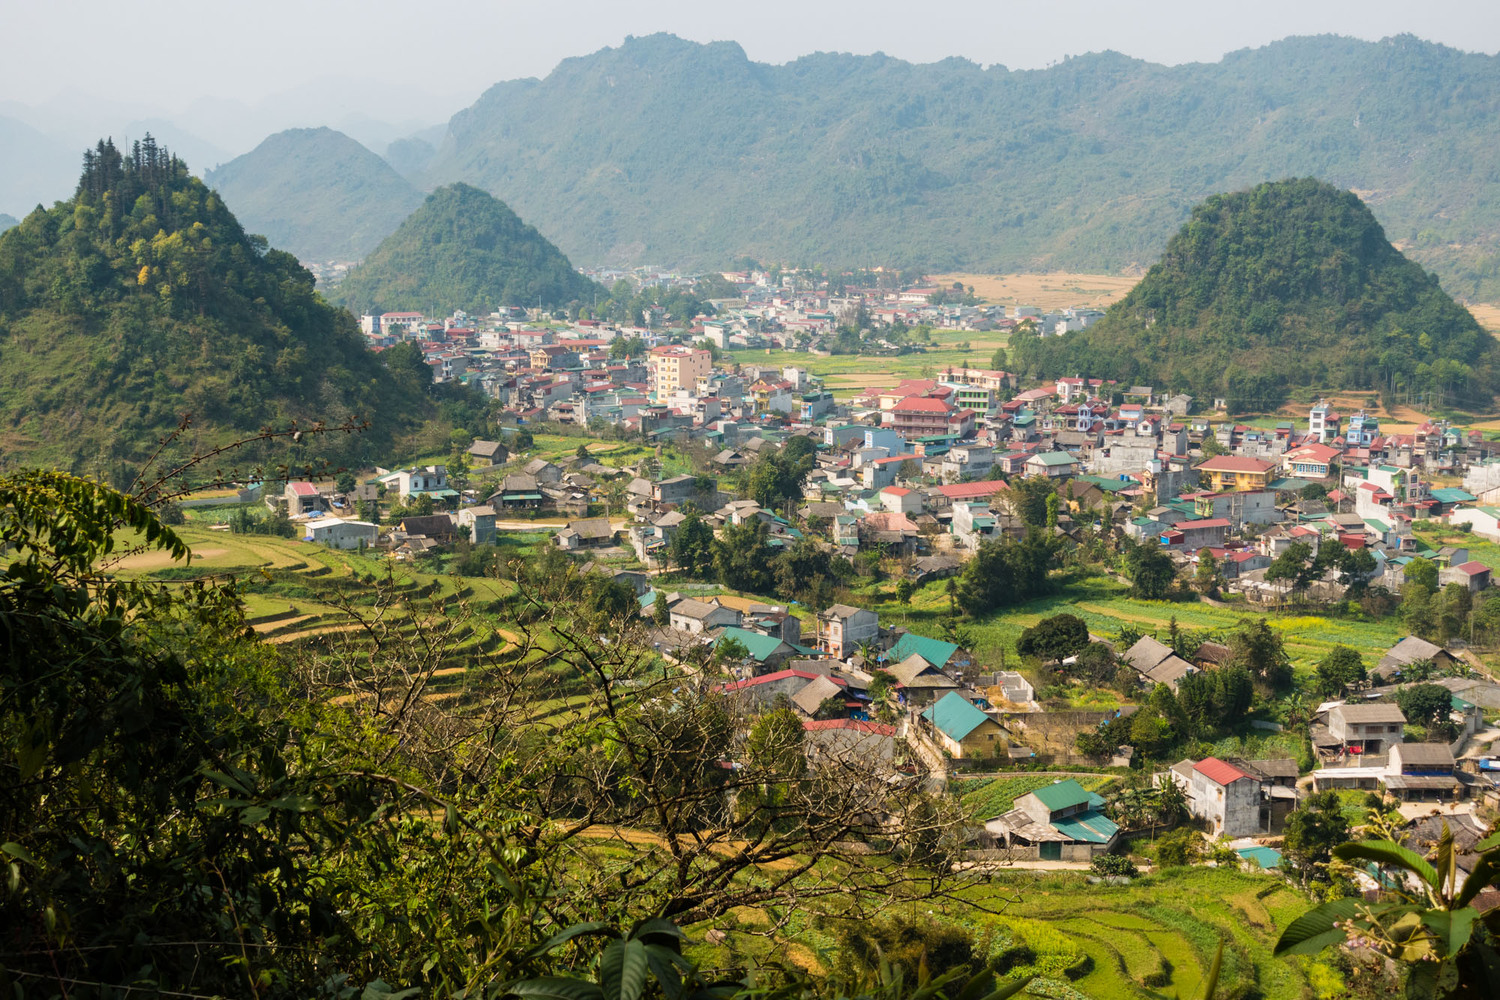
point(1367, 728)
point(842, 628)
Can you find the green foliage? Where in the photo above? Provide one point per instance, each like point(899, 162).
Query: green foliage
point(1054, 638)
point(464, 250)
point(316, 192)
point(1006, 571)
point(692, 546)
point(1422, 573)
point(1340, 670)
point(1216, 699)
point(141, 299)
point(1152, 572)
point(775, 480)
point(1423, 920)
point(1313, 830)
point(1292, 283)
point(1115, 865)
point(1259, 649)
point(742, 556)
point(1424, 704)
point(1182, 846)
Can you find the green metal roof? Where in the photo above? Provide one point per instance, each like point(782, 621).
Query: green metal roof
point(1091, 827)
point(955, 716)
point(759, 646)
point(934, 651)
point(1452, 494)
point(1062, 795)
point(1051, 458)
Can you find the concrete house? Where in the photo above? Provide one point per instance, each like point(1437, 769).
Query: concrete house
point(1051, 464)
point(337, 533)
point(480, 523)
point(841, 629)
point(303, 497)
point(1367, 729)
point(963, 730)
point(696, 617)
point(849, 741)
point(589, 533)
point(1421, 772)
point(1224, 795)
point(1058, 822)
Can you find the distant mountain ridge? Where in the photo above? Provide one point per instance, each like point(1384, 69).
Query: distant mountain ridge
point(6, 221)
point(664, 150)
point(463, 249)
point(316, 193)
point(1289, 285)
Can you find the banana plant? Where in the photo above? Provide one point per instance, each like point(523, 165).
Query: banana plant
point(1426, 920)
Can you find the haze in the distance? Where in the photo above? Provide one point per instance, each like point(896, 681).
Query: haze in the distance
point(213, 80)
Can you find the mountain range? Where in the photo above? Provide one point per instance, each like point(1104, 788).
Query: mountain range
point(667, 151)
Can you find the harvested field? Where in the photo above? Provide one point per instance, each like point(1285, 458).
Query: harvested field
point(1046, 291)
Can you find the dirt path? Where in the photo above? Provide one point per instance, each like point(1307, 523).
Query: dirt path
point(143, 561)
point(310, 633)
point(265, 627)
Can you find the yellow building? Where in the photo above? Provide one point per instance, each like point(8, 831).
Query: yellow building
point(674, 368)
point(1226, 473)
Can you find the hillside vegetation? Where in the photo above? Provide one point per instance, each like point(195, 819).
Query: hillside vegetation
point(664, 150)
point(463, 249)
point(316, 193)
point(142, 299)
point(1291, 284)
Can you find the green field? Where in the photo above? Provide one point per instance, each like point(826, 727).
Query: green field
point(1105, 606)
point(848, 374)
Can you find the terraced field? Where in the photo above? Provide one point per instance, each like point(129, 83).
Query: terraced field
point(301, 596)
point(1156, 936)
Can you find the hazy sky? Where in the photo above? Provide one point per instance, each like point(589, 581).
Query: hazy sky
point(167, 53)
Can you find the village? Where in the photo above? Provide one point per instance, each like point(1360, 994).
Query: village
point(919, 475)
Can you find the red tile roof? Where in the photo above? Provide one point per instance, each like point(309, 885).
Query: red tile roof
point(921, 404)
point(1472, 568)
point(1217, 771)
point(968, 491)
point(779, 675)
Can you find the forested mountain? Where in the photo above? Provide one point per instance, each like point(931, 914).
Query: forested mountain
point(664, 150)
point(141, 299)
point(1290, 284)
point(316, 193)
point(465, 250)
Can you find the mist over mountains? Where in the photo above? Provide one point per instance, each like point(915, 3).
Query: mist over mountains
point(667, 151)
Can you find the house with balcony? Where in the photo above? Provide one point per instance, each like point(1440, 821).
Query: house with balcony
point(1372, 728)
point(1235, 473)
point(842, 629)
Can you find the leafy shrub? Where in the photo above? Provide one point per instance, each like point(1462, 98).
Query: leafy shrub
point(1114, 865)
